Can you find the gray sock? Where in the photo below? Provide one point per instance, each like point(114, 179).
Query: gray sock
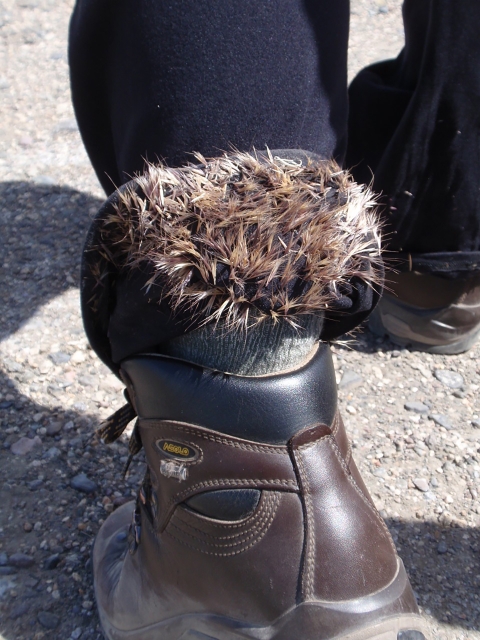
point(268, 347)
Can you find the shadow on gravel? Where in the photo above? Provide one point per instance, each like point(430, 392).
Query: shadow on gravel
point(48, 521)
point(42, 229)
point(437, 559)
point(36, 488)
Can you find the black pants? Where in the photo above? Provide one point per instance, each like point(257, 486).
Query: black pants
point(155, 79)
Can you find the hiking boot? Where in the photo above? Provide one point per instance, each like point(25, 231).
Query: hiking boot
point(428, 313)
point(252, 520)
point(211, 290)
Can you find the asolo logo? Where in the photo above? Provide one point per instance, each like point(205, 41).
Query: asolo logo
point(177, 450)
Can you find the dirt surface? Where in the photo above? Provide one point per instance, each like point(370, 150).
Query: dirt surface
point(416, 438)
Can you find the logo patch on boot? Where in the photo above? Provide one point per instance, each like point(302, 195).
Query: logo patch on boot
point(177, 450)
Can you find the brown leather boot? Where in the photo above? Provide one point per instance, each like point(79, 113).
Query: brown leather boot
point(252, 521)
point(429, 313)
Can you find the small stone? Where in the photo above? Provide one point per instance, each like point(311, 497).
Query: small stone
point(417, 407)
point(434, 483)
point(53, 452)
point(421, 484)
point(67, 125)
point(48, 620)
point(30, 582)
point(53, 428)
point(68, 426)
point(420, 451)
point(21, 560)
point(83, 484)
point(59, 357)
point(350, 380)
point(25, 445)
point(78, 357)
point(351, 409)
point(76, 633)
point(3, 559)
point(450, 379)
point(19, 610)
point(87, 605)
point(442, 547)
point(52, 562)
point(44, 181)
point(6, 584)
point(25, 141)
point(38, 526)
point(441, 420)
point(35, 484)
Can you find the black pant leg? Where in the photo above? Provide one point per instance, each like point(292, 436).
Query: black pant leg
point(153, 79)
point(415, 122)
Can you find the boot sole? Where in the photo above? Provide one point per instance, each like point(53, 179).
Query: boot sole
point(205, 627)
point(421, 329)
point(389, 614)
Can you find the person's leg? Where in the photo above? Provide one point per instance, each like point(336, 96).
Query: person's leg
point(160, 80)
point(415, 123)
point(211, 290)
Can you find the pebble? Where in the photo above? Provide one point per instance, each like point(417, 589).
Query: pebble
point(19, 610)
point(83, 484)
point(27, 527)
point(417, 407)
point(59, 357)
point(441, 420)
point(450, 379)
point(3, 559)
point(21, 560)
point(53, 452)
point(350, 380)
point(6, 584)
point(442, 547)
point(48, 620)
point(78, 357)
point(76, 633)
point(52, 562)
point(421, 484)
point(35, 484)
point(53, 428)
point(25, 445)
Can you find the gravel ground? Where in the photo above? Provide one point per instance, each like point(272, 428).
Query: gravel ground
point(414, 418)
